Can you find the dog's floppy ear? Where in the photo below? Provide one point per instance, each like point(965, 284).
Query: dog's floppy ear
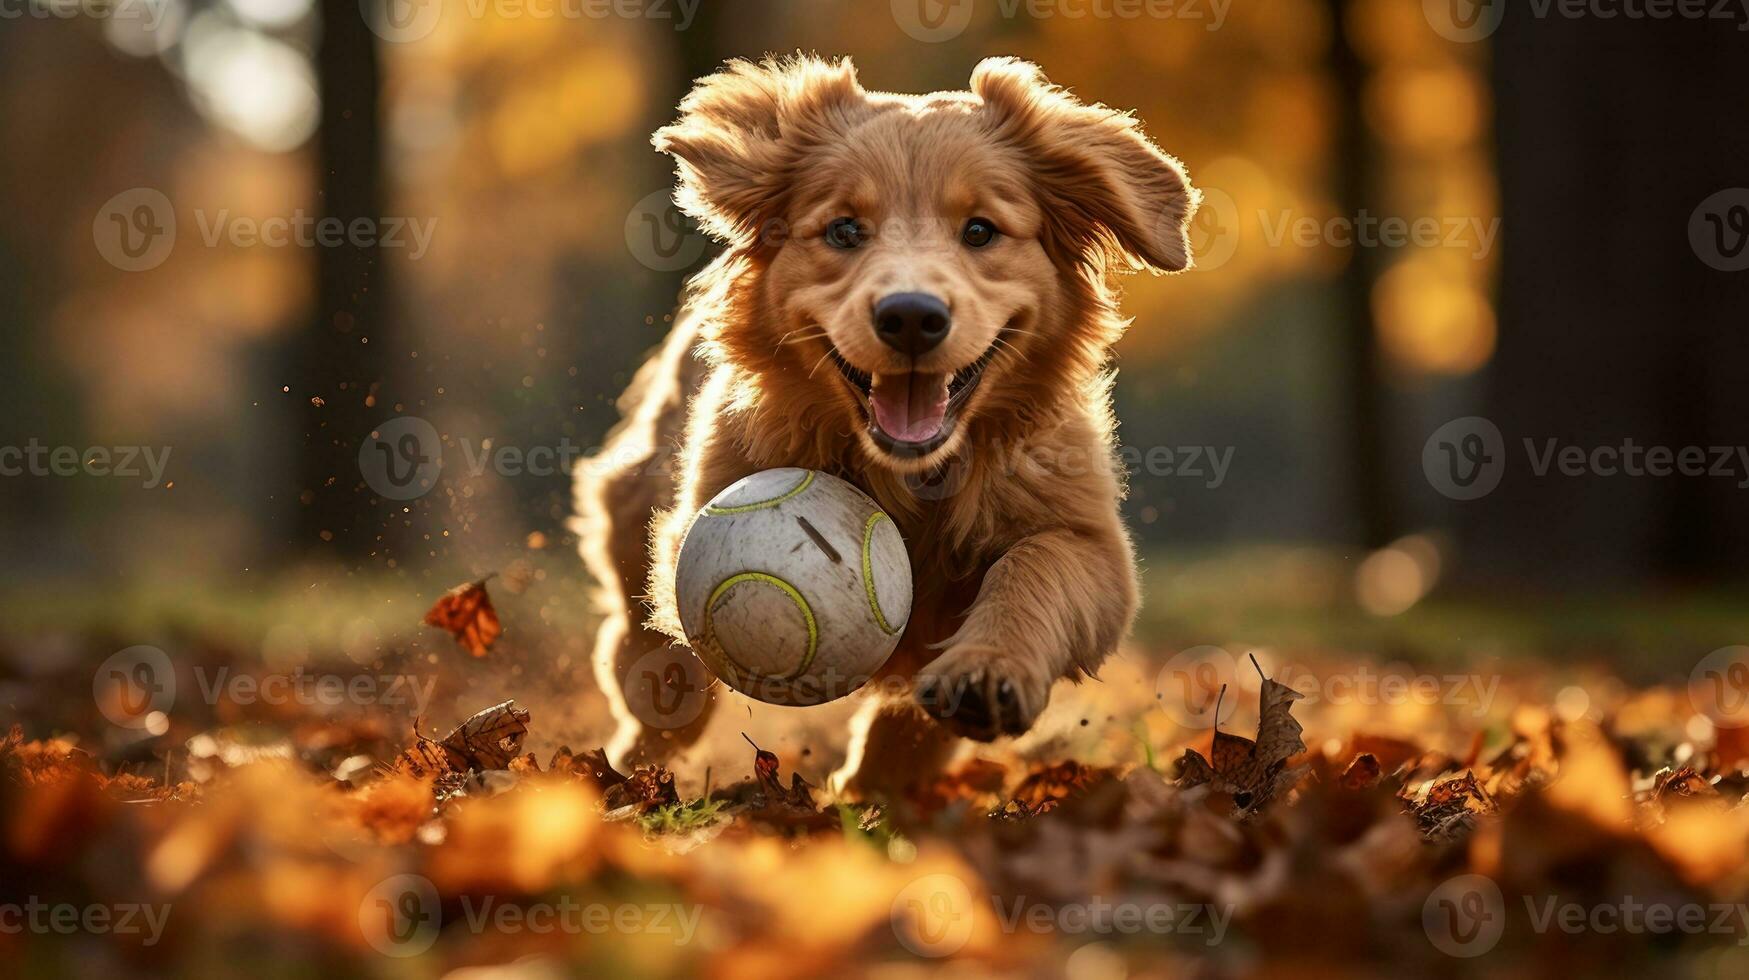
point(741, 132)
point(1108, 192)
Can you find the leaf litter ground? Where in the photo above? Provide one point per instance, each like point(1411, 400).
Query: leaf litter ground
point(1532, 832)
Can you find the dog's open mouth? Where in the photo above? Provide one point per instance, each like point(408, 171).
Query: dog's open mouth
point(913, 413)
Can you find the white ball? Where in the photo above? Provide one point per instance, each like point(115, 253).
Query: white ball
point(793, 586)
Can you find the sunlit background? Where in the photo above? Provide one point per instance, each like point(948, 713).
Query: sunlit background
point(520, 142)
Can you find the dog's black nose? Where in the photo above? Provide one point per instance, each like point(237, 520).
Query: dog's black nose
point(911, 323)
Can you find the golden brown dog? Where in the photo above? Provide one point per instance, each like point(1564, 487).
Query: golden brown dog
point(916, 294)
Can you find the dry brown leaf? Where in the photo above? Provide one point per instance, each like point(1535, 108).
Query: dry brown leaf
point(1047, 786)
point(466, 613)
point(1364, 771)
point(1252, 772)
point(488, 740)
point(646, 788)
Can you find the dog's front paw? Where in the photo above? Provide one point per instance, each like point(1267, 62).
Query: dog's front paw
point(983, 693)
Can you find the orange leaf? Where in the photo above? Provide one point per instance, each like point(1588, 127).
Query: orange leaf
point(466, 612)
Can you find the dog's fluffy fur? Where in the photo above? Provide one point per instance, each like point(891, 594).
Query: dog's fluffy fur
point(1024, 572)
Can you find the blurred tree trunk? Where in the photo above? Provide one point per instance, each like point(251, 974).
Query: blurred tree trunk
point(342, 357)
point(702, 48)
point(1610, 134)
point(1361, 375)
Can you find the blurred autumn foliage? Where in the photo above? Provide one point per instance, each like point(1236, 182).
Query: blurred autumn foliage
point(521, 140)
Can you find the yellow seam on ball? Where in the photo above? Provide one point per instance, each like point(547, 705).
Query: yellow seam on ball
point(761, 505)
point(874, 601)
point(789, 590)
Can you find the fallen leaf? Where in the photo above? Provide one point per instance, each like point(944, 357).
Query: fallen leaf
point(1252, 772)
point(488, 740)
point(1364, 771)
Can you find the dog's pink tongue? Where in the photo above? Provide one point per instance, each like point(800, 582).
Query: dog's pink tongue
point(910, 407)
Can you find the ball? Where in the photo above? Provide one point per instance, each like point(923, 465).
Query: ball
point(793, 586)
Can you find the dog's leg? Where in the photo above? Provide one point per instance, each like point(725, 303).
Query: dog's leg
point(1054, 605)
point(893, 746)
point(661, 693)
point(658, 690)
point(655, 690)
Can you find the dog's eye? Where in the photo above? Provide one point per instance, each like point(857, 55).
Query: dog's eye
point(844, 233)
point(978, 232)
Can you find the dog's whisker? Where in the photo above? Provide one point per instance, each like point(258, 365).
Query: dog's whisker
point(817, 364)
point(1001, 344)
point(818, 331)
